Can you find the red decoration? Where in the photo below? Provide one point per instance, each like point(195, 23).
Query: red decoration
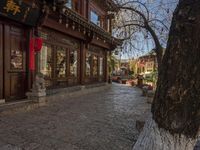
point(38, 44)
point(32, 55)
point(35, 46)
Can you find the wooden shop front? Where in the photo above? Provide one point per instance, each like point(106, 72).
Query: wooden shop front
point(76, 42)
point(15, 25)
point(13, 51)
point(59, 60)
point(64, 61)
point(95, 69)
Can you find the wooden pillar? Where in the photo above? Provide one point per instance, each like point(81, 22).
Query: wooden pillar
point(82, 63)
point(1, 61)
point(87, 9)
point(30, 73)
point(84, 8)
point(106, 67)
point(110, 25)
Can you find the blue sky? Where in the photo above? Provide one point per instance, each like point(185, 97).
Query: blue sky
point(161, 9)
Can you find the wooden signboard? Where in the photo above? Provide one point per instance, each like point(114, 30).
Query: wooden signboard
point(19, 11)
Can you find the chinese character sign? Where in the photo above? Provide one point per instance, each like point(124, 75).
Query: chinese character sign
point(11, 6)
point(23, 12)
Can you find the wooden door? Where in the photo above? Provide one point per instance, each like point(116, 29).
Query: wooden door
point(14, 63)
point(1, 61)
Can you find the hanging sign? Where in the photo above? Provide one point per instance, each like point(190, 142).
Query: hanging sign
point(19, 11)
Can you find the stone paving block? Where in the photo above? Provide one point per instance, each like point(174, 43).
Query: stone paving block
point(10, 147)
point(197, 147)
point(104, 120)
point(30, 146)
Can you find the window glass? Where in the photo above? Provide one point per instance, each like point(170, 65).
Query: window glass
point(69, 4)
point(46, 61)
point(61, 63)
point(94, 18)
point(101, 66)
point(95, 65)
point(88, 63)
point(16, 54)
point(72, 4)
point(73, 63)
point(16, 59)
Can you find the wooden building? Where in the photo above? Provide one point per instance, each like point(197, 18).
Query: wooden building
point(76, 40)
point(146, 64)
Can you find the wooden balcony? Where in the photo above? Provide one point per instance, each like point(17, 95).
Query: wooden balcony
point(88, 27)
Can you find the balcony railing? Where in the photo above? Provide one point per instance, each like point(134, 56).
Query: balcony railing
point(89, 26)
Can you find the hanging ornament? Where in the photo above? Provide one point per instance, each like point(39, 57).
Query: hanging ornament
point(89, 33)
point(79, 28)
point(73, 26)
point(54, 5)
point(33, 4)
point(84, 31)
point(67, 24)
point(63, 10)
point(60, 19)
point(44, 6)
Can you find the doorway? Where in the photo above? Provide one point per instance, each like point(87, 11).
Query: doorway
point(13, 76)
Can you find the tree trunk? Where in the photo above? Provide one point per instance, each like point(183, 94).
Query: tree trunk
point(176, 106)
point(154, 138)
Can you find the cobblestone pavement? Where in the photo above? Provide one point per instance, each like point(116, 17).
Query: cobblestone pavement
point(98, 121)
point(197, 147)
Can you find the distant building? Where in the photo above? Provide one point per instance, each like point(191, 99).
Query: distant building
point(146, 64)
point(122, 67)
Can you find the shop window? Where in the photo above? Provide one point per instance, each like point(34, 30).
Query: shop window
point(95, 65)
point(61, 63)
point(101, 66)
point(46, 61)
point(16, 59)
point(16, 56)
point(73, 63)
point(88, 64)
point(95, 18)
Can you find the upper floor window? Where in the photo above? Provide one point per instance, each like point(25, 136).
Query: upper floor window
point(95, 18)
point(69, 4)
point(73, 4)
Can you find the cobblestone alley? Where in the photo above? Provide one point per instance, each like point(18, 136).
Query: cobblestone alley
point(98, 121)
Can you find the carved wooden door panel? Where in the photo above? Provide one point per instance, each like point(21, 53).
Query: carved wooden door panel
point(1, 61)
point(15, 63)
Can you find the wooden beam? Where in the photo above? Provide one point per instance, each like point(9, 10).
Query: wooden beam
point(82, 63)
point(100, 43)
point(62, 28)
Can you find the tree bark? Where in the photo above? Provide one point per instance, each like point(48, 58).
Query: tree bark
point(176, 106)
point(155, 138)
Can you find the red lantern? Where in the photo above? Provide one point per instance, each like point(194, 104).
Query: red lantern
point(35, 46)
point(38, 44)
